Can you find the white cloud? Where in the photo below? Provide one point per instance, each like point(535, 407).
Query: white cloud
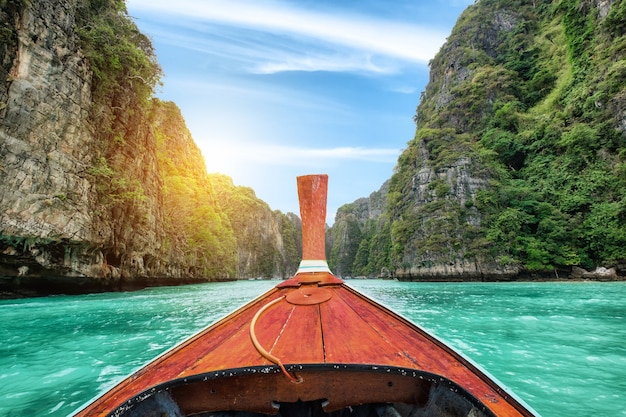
point(221, 156)
point(339, 153)
point(321, 62)
point(404, 89)
point(317, 38)
point(272, 55)
point(241, 96)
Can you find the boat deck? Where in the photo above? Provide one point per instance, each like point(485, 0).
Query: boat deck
point(306, 325)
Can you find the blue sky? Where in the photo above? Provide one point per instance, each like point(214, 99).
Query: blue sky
point(274, 89)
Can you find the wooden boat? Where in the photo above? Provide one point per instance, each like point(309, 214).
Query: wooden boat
point(311, 346)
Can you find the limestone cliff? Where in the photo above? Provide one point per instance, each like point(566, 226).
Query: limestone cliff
point(46, 145)
point(102, 186)
point(268, 242)
point(516, 169)
point(358, 242)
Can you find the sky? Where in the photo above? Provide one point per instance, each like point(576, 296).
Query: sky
point(274, 89)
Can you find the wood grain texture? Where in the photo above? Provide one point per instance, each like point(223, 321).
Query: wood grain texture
point(312, 191)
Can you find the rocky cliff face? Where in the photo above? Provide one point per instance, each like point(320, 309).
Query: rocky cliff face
point(46, 145)
point(56, 218)
point(491, 86)
point(94, 185)
point(46, 96)
point(358, 242)
point(519, 120)
point(269, 243)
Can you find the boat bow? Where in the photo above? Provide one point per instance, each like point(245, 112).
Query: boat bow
point(311, 345)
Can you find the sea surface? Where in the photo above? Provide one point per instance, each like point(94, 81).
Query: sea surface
point(561, 347)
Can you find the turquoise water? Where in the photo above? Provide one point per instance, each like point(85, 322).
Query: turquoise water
point(561, 347)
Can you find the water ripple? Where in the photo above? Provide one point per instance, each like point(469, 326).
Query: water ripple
point(551, 343)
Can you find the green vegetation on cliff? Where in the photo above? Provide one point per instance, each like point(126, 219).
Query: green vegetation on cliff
point(359, 241)
point(519, 158)
point(125, 73)
point(122, 59)
point(559, 198)
point(197, 229)
point(105, 186)
point(8, 34)
point(268, 242)
point(150, 174)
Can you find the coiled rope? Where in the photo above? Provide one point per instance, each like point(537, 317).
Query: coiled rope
point(260, 348)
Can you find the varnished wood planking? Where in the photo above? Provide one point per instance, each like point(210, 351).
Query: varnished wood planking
point(301, 339)
point(428, 353)
point(347, 328)
point(350, 339)
point(414, 345)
